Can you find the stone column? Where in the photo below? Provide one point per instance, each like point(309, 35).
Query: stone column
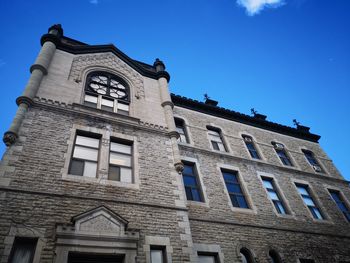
point(38, 70)
point(167, 104)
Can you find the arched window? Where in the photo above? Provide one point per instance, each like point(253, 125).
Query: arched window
point(106, 91)
point(274, 257)
point(246, 256)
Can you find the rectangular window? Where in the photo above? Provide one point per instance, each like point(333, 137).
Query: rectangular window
point(180, 128)
point(251, 147)
point(105, 103)
point(312, 160)
point(190, 178)
point(85, 155)
point(91, 101)
point(274, 195)
point(234, 189)
point(120, 161)
point(23, 250)
point(216, 140)
point(308, 200)
point(158, 255)
point(340, 203)
point(204, 258)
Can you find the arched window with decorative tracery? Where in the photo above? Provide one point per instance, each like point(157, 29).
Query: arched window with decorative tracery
point(108, 92)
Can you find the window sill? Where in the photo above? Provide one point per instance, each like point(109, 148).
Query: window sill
point(104, 113)
point(243, 210)
point(78, 178)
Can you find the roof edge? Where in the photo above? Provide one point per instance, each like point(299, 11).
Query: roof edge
point(242, 118)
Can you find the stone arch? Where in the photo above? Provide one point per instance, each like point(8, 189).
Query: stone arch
point(84, 64)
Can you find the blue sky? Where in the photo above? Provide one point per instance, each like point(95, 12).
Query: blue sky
point(287, 59)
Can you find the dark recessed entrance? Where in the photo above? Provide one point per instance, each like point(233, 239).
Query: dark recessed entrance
point(76, 257)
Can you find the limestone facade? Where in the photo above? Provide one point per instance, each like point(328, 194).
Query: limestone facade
point(70, 216)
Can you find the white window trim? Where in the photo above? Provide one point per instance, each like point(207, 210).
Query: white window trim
point(285, 201)
point(186, 128)
point(315, 198)
point(252, 208)
point(218, 129)
point(343, 196)
point(24, 232)
point(200, 178)
point(158, 241)
point(103, 159)
point(210, 248)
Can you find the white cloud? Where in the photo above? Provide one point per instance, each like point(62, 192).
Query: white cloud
point(254, 7)
point(94, 2)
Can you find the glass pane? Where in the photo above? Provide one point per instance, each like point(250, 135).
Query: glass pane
point(114, 83)
point(233, 188)
point(120, 159)
point(196, 195)
point(106, 108)
point(85, 153)
point(335, 196)
point(273, 195)
point(122, 106)
point(342, 207)
point(108, 103)
point(206, 259)
point(242, 202)
point(308, 201)
point(114, 173)
point(76, 167)
point(244, 259)
point(267, 184)
point(90, 169)
point(180, 130)
point(215, 145)
point(317, 213)
point(229, 177)
point(188, 193)
point(90, 98)
point(280, 207)
point(87, 141)
point(119, 147)
point(188, 169)
point(125, 175)
point(23, 251)
point(90, 104)
point(234, 201)
point(221, 147)
point(156, 256)
point(190, 181)
point(183, 138)
point(302, 190)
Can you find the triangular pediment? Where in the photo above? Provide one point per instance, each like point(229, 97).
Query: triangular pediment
point(100, 220)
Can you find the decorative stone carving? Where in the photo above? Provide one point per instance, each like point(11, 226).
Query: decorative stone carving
point(100, 224)
point(9, 138)
point(108, 61)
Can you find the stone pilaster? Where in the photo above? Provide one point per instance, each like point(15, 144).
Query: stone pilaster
point(38, 70)
point(168, 111)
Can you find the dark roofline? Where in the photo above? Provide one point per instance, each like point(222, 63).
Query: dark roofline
point(76, 47)
point(242, 118)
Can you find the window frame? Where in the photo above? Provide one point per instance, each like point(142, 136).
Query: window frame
point(314, 159)
point(343, 200)
point(313, 198)
point(220, 135)
point(131, 155)
point(280, 148)
point(102, 172)
point(278, 193)
point(209, 254)
point(100, 97)
point(21, 239)
point(72, 158)
point(181, 124)
point(239, 183)
point(253, 144)
point(197, 179)
point(158, 248)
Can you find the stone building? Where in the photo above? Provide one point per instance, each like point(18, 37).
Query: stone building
point(103, 164)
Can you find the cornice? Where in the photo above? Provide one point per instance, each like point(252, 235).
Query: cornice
point(242, 118)
point(75, 47)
